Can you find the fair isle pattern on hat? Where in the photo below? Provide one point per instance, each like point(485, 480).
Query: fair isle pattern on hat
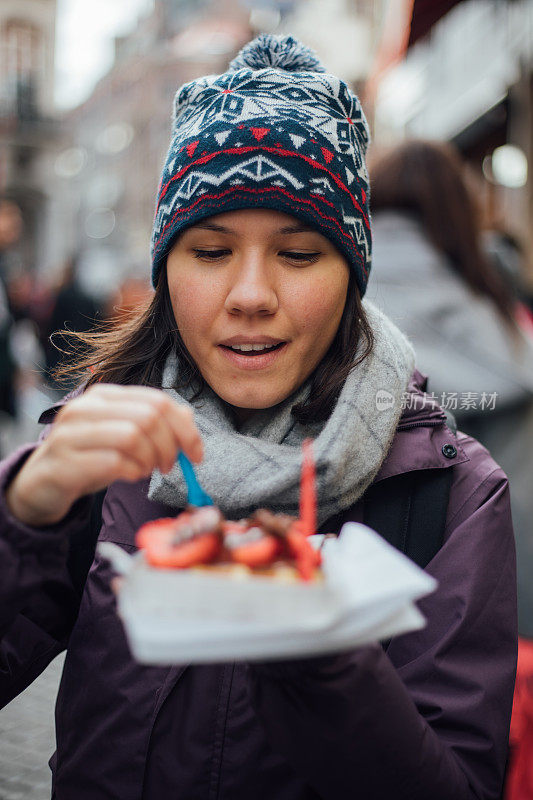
point(288, 137)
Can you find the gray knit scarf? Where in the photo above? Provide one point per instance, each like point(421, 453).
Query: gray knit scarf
point(259, 465)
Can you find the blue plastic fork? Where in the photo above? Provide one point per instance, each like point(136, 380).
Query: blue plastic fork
point(195, 494)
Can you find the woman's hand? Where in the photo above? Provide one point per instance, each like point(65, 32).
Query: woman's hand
point(108, 433)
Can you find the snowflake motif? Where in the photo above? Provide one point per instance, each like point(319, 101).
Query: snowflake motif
point(324, 104)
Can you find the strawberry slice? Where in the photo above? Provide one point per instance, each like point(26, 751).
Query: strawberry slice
point(249, 545)
point(163, 547)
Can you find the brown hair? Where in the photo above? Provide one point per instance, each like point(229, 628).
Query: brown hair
point(427, 179)
point(132, 350)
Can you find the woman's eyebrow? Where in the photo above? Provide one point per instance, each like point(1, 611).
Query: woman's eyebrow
point(210, 226)
point(297, 229)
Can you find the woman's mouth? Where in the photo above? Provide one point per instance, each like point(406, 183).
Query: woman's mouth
point(252, 356)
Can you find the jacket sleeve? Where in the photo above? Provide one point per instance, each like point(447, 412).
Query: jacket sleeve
point(429, 718)
point(38, 603)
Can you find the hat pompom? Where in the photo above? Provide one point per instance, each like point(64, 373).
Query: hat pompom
point(280, 52)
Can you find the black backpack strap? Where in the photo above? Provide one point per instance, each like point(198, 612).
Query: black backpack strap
point(429, 506)
point(387, 508)
point(409, 511)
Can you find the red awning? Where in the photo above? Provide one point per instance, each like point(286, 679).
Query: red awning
point(425, 14)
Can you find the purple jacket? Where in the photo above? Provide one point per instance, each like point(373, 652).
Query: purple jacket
point(427, 719)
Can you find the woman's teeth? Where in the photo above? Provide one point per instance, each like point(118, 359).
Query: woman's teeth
point(256, 348)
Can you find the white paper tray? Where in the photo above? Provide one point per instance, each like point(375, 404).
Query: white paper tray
point(173, 616)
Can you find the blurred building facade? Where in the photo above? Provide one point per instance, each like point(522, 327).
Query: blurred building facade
point(344, 33)
point(116, 141)
point(467, 76)
point(27, 129)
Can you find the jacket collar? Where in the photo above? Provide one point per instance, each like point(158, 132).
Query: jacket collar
point(421, 435)
point(48, 415)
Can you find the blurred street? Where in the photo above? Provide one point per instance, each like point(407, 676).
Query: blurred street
point(31, 402)
point(28, 739)
point(27, 723)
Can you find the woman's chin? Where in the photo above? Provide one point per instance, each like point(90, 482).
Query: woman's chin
point(249, 405)
point(245, 405)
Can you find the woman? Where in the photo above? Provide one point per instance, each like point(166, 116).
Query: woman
point(432, 278)
point(257, 333)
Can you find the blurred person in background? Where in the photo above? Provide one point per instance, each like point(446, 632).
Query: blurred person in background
point(73, 310)
point(28, 300)
point(132, 293)
point(506, 253)
point(10, 233)
point(434, 279)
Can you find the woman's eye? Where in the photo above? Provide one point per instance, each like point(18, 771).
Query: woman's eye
point(210, 255)
point(301, 258)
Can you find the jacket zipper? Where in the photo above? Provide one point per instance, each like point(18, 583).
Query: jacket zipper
point(428, 423)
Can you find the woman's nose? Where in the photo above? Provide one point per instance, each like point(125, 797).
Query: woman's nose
point(252, 290)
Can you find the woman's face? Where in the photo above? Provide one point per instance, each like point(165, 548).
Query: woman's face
point(257, 297)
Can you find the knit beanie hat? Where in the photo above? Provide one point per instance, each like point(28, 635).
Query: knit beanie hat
point(275, 131)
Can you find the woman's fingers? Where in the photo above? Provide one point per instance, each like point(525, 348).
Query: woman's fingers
point(157, 405)
point(167, 424)
point(106, 434)
point(182, 420)
point(121, 434)
point(89, 471)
